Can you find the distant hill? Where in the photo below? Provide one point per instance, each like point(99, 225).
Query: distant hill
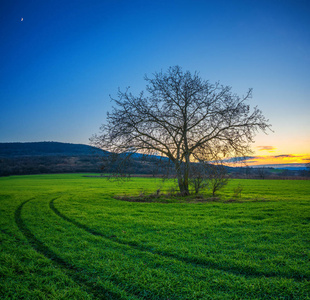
point(292, 167)
point(55, 157)
point(48, 157)
point(46, 149)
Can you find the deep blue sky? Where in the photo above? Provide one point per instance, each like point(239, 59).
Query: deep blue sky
point(60, 64)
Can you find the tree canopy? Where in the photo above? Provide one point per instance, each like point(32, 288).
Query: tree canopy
point(184, 118)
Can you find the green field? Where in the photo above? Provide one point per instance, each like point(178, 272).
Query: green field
point(67, 237)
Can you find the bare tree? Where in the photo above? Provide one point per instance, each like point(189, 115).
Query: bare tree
point(262, 172)
point(205, 175)
point(248, 171)
point(183, 118)
point(217, 177)
point(198, 179)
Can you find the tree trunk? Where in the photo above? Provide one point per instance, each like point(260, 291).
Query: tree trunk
point(186, 173)
point(182, 181)
point(183, 187)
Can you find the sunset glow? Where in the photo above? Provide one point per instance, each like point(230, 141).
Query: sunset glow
point(272, 157)
point(298, 160)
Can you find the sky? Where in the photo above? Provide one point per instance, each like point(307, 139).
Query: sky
point(60, 61)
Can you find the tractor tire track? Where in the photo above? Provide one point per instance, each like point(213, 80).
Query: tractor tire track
point(251, 272)
point(72, 271)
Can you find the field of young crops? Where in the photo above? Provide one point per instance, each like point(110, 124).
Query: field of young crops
point(67, 237)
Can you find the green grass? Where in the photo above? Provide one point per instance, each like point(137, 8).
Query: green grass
point(67, 237)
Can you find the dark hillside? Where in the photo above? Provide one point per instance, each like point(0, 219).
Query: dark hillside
point(46, 149)
point(48, 157)
point(54, 157)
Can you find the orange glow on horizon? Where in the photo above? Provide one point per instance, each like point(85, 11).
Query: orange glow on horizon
point(282, 159)
point(272, 152)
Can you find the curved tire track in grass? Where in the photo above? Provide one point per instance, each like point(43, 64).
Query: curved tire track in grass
point(251, 272)
point(69, 269)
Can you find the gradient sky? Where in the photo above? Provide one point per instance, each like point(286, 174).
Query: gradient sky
point(60, 61)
